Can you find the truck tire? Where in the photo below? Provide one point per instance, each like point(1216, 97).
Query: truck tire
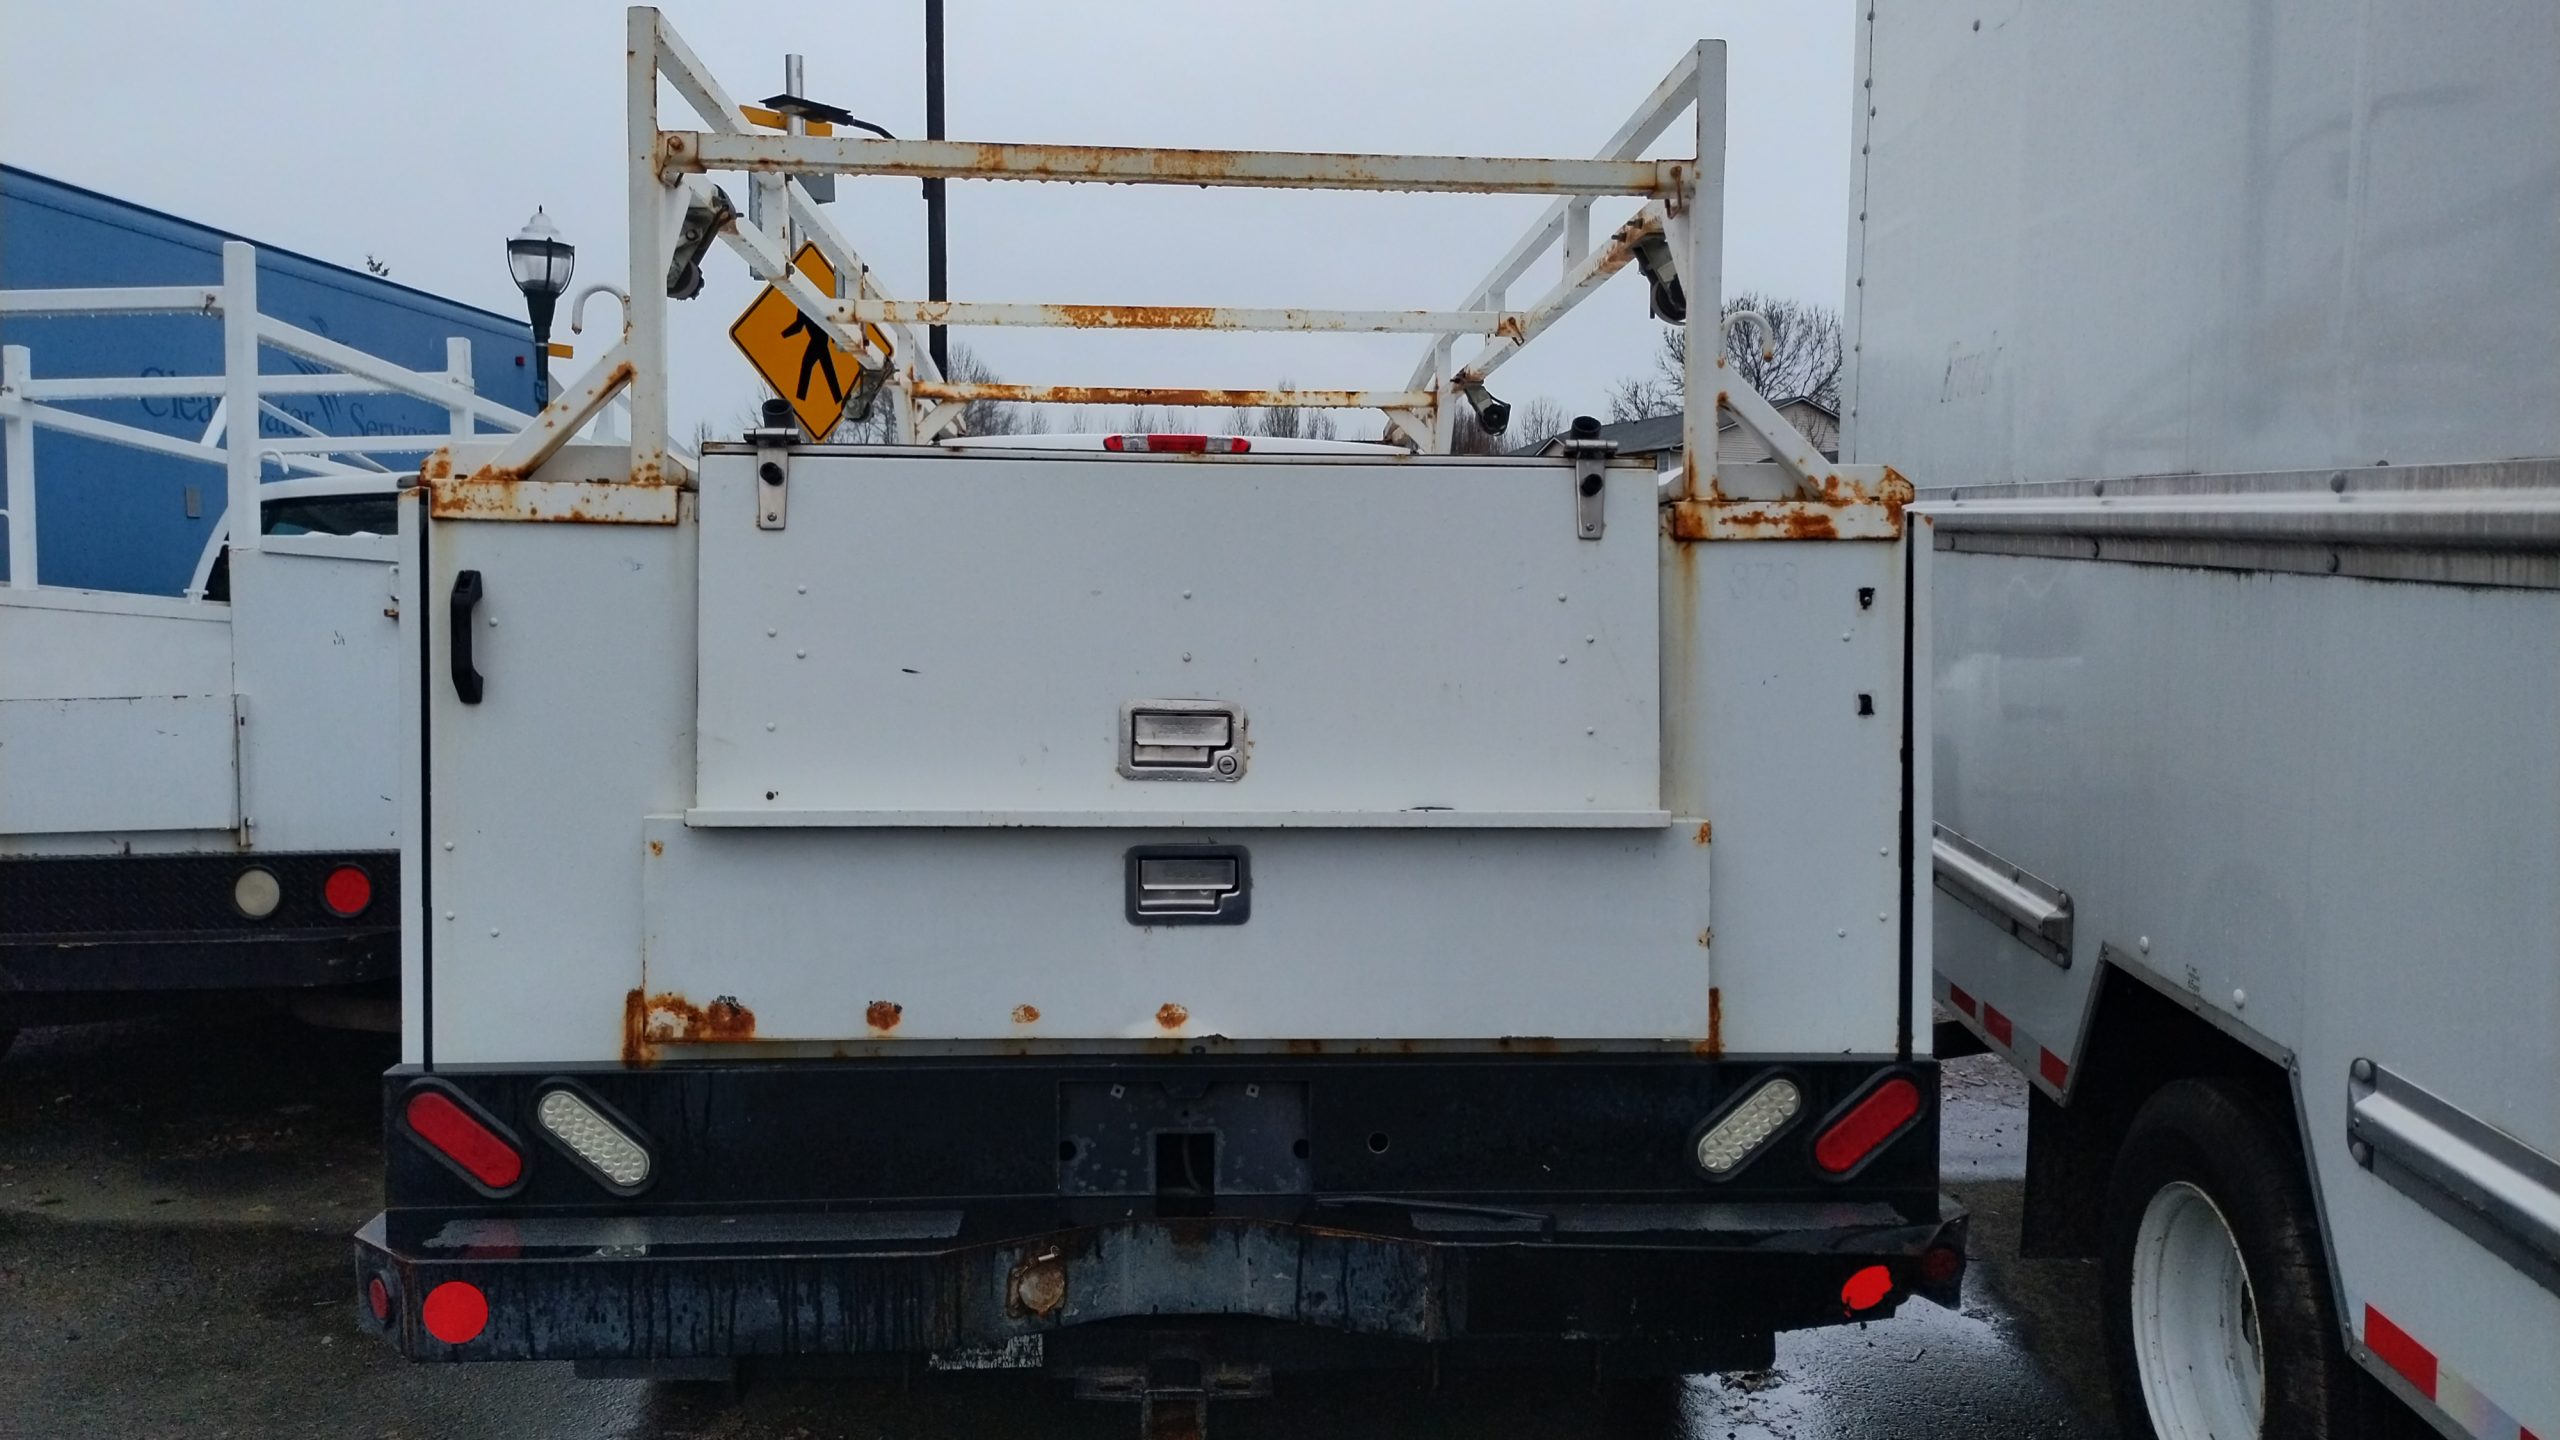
point(2219, 1317)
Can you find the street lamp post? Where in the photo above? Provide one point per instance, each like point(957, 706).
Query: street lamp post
point(541, 262)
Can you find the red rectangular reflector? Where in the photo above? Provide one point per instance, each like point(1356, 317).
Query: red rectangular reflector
point(460, 1137)
point(1997, 1024)
point(2401, 1351)
point(1869, 1123)
point(2056, 1074)
point(1178, 444)
point(1960, 998)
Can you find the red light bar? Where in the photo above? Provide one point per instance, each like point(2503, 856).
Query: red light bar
point(1177, 444)
point(459, 1136)
point(1869, 1123)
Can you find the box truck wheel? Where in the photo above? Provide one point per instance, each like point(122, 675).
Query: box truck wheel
point(2220, 1321)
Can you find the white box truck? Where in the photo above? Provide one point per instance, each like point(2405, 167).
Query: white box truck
point(1156, 908)
point(2224, 344)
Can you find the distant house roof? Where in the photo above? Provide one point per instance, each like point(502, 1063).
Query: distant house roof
point(1660, 434)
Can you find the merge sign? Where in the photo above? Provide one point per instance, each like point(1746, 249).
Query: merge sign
point(795, 356)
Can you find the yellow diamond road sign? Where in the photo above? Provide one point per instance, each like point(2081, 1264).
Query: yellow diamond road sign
point(795, 357)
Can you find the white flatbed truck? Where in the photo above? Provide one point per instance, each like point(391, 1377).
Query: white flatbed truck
point(1155, 910)
point(198, 792)
point(2224, 344)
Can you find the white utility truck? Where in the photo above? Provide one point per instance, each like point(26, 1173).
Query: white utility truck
point(1159, 910)
point(198, 793)
point(2224, 342)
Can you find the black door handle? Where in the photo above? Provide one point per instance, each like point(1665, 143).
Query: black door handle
point(466, 599)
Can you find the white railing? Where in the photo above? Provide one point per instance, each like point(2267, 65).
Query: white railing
point(1676, 238)
point(29, 402)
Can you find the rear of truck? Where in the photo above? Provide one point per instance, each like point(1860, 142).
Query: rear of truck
point(1156, 913)
point(197, 792)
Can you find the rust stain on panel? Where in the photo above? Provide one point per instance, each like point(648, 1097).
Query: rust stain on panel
point(667, 1018)
point(1706, 832)
point(1140, 317)
point(1133, 395)
point(883, 1015)
point(1026, 1014)
point(1172, 1016)
point(657, 847)
point(1713, 1045)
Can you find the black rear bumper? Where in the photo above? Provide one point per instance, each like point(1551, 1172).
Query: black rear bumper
point(96, 926)
point(819, 1211)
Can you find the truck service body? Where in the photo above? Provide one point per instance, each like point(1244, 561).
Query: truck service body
point(1154, 916)
point(2224, 345)
point(197, 789)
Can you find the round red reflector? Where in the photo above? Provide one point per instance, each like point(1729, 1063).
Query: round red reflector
point(1865, 1290)
point(347, 891)
point(459, 1136)
point(1939, 1263)
point(456, 1312)
point(1869, 1124)
point(377, 1297)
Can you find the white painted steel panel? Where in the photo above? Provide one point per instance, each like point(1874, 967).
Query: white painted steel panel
point(2329, 809)
point(534, 821)
point(83, 644)
point(141, 762)
point(2098, 240)
point(959, 632)
point(317, 670)
point(1353, 935)
point(1769, 648)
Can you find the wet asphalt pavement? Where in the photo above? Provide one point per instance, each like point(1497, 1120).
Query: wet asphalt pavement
point(175, 1200)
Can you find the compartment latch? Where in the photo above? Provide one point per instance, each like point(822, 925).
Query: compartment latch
point(1188, 885)
point(1181, 740)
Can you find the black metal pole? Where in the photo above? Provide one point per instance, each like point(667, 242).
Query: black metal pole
point(937, 282)
point(541, 308)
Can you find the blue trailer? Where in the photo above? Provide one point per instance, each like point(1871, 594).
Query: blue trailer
point(117, 518)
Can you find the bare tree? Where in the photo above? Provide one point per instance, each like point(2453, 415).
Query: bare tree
point(376, 267)
point(1799, 354)
point(991, 417)
point(1534, 422)
point(1284, 422)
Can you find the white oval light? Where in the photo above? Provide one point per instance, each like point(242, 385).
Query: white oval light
point(1747, 1125)
point(592, 1138)
point(256, 893)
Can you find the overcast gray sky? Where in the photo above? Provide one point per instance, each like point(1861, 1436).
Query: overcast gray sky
point(425, 131)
